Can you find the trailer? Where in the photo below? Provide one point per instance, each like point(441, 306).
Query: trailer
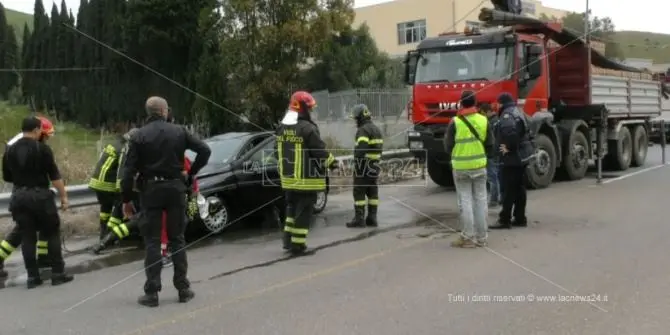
point(576, 99)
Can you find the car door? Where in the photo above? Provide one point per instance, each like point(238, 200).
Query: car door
point(258, 177)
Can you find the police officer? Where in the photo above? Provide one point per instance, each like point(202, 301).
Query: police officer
point(104, 182)
point(156, 152)
point(13, 239)
point(119, 227)
point(367, 154)
point(516, 151)
point(303, 159)
point(30, 166)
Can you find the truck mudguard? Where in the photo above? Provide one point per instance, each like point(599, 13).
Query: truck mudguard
point(545, 118)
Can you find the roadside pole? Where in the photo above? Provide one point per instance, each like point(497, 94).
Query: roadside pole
point(663, 141)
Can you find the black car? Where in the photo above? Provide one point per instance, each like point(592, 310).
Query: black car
point(241, 177)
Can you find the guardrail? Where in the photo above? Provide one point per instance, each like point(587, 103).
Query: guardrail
point(82, 196)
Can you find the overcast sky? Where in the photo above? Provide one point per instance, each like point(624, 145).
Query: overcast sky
point(646, 15)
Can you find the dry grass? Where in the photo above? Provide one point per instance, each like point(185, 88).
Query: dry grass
point(74, 223)
point(76, 149)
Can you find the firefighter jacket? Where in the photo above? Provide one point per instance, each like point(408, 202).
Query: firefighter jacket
point(368, 150)
point(119, 171)
point(106, 170)
point(303, 159)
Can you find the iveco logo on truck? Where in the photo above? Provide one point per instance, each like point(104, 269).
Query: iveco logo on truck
point(457, 42)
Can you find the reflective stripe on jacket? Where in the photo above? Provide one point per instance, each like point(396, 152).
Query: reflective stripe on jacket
point(105, 174)
point(303, 158)
point(369, 142)
point(469, 152)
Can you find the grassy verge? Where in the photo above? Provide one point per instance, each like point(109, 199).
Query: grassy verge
point(76, 149)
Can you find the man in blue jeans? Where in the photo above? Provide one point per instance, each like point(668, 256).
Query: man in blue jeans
point(468, 142)
point(493, 162)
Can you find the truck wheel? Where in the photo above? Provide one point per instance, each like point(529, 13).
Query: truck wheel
point(576, 161)
point(541, 172)
point(620, 151)
point(640, 145)
point(440, 173)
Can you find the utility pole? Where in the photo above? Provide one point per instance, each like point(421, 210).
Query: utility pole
point(587, 40)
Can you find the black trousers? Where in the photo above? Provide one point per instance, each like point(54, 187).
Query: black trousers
point(13, 241)
point(366, 192)
point(513, 179)
point(168, 196)
point(34, 210)
point(106, 200)
point(299, 214)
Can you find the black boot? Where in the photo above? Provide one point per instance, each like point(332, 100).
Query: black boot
point(61, 278)
point(149, 300)
point(3, 272)
point(103, 230)
point(286, 241)
point(105, 243)
point(34, 282)
point(519, 223)
point(298, 249)
point(359, 218)
point(186, 295)
point(501, 225)
point(371, 220)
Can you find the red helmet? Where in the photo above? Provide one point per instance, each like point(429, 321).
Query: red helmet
point(301, 102)
point(47, 127)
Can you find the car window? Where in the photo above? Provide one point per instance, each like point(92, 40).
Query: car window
point(265, 155)
point(251, 145)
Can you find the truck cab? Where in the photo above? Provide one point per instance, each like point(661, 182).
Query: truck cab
point(486, 62)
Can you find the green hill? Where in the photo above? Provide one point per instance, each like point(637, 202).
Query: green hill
point(639, 44)
point(18, 20)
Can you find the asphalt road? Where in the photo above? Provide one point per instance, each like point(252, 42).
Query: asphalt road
point(605, 243)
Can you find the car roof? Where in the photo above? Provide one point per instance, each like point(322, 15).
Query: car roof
point(231, 135)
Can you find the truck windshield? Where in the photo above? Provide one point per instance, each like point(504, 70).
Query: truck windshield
point(490, 63)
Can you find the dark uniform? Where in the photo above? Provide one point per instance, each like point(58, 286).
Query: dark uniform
point(367, 154)
point(303, 160)
point(104, 183)
point(30, 166)
point(13, 240)
point(513, 131)
point(156, 151)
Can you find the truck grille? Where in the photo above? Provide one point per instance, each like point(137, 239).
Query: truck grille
point(434, 110)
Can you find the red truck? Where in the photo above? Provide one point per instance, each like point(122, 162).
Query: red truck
point(566, 89)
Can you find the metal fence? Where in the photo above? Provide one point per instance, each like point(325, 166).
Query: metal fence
point(82, 196)
point(383, 103)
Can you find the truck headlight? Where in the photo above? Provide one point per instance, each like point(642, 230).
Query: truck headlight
point(413, 134)
point(416, 145)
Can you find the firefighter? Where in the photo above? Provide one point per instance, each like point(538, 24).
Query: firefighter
point(367, 154)
point(104, 182)
point(303, 159)
point(117, 226)
point(13, 239)
point(30, 166)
